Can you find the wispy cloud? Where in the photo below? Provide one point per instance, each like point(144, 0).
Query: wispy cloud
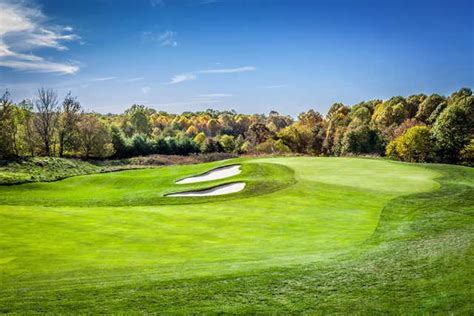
point(182, 78)
point(23, 29)
point(167, 38)
point(146, 89)
point(227, 70)
point(103, 79)
point(133, 79)
point(193, 75)
point(38, 66)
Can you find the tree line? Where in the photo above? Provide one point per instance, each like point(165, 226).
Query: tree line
point(418, 128)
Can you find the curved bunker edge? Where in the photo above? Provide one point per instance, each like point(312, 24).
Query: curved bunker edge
point(213, 174)
point(222, 189)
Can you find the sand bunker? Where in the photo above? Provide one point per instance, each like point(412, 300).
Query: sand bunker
point(218, 190)
point(214, 174)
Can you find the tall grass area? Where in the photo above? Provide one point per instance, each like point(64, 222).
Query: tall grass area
point(38, 169)
point(44, 169)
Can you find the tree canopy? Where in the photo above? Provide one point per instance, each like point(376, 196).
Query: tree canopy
point(416, 128)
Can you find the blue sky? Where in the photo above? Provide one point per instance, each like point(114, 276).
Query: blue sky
point(252, 56)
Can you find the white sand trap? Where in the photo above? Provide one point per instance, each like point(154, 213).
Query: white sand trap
point(214, 174)
point(219, 190)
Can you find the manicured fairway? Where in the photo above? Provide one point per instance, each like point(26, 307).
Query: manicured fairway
point(116, 234)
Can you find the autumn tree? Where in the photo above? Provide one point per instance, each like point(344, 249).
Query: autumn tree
point(297, 137)
point(258, 133)
point(428, 106)
point(137, 118)
point(415, 145)
point(454, 127)
point(391, 112)
point(467, 154)
point(94, 137)
point(276, 121)
point(338, 119)
point(200, 138)
point(227, 143)
point(192, 131)
point(213, 127)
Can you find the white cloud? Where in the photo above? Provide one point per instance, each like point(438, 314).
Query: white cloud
point(146, 90)
point(167, 38)
point(103, 79)
point(193, 75)
point(228, 70)
point(24, 28)
point(215, 95)
point(42, 66)
point(182, 78)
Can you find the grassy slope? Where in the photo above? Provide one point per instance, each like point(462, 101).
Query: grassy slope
point(43, 169)
point(123, 256)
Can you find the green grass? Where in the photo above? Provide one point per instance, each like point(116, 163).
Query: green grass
point(306, 235)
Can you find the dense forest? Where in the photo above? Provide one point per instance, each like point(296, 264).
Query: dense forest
point(418, 128)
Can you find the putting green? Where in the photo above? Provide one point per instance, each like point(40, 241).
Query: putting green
point(115, 228)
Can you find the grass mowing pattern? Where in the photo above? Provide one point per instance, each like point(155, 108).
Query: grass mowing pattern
point(236, 256)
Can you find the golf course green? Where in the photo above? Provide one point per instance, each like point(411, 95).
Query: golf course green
point(306, 234)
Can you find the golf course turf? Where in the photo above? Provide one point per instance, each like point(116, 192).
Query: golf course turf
point(304, 235)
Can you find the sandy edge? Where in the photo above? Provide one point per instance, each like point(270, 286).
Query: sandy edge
point(218, 190)
point(214, 174)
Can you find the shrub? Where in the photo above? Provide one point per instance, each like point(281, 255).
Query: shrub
point(141, 145)
point(120, 143)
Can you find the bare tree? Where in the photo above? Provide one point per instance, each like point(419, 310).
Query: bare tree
point(30, 137)
point(67, 124)
point(46, 105)
point(8, 128)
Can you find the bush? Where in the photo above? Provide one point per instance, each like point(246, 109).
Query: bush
point(120, 143)
point(186, 146)
point(141, 145)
